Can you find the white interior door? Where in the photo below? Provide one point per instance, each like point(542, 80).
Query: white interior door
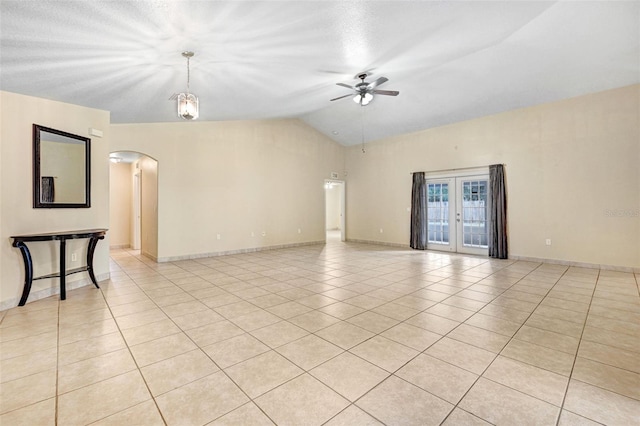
point(457, 209)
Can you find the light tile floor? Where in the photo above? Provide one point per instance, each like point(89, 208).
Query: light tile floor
point(336, 334)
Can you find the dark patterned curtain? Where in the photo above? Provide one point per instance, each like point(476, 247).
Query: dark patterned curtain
point(419, 212)
point(48, 192)
point(498, 247)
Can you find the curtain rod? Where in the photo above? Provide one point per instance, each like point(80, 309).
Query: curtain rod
point(453, 170)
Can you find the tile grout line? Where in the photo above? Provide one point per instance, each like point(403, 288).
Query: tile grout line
point(304, 370)
point(220, 369)
point(442, 337)
point(131, 354)
point(292, 264)
point(57, 402)
point(423, 351)
point(481, 375)
point(575, 359)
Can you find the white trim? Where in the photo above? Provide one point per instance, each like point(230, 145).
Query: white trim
point(381, 243)
point(455, 170)
point(343, 209)
point(119, 246)
point(453, 173)
point(230, 252)
point(603, 267)
point(149, 255)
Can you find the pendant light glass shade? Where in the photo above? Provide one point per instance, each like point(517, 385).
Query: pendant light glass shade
point(188, 108)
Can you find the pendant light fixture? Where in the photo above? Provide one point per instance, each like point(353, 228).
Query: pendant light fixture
point(188, 106)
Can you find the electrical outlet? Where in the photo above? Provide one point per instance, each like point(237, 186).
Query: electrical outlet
point(381, 230)
point(253, 234)
point(74, 257)
point(548, 241)
point(264, 233)
point(299, 231)
point(218, 236)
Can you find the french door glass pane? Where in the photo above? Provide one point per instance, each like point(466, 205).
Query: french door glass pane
point(438, 213)
point(474, 213)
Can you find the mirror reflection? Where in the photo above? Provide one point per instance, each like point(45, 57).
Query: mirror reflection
point(61, 169)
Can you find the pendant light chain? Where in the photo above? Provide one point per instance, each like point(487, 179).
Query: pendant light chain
point(362, 125)
point(188, 74)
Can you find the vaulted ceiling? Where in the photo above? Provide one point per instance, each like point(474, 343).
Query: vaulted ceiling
point(451, 61)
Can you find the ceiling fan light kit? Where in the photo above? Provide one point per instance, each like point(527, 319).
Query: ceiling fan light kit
point(363, 99)
point(364, 91)
point(188, 104)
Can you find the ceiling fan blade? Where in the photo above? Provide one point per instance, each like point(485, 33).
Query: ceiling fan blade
point(341, 97)
point(386, 92)
point(345, 85)
point(377, 83)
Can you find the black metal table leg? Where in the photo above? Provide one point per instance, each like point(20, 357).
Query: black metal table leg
point(63, 268)
point(28, 270)
point(93, 242)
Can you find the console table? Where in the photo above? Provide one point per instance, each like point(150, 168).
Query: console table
point(20, 241)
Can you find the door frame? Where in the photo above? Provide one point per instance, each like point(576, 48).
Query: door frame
point(453, 177)
point(137, 190)
point(343, 222)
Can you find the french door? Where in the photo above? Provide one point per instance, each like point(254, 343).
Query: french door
point(457, 214)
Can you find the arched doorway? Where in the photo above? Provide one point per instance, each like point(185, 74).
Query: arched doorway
point(134, 202)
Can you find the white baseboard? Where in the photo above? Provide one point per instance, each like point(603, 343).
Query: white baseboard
point(149, 255)
point(526, 258)
point(230, 252)
point(377, 243)
point(119, 246)
point(577, 264)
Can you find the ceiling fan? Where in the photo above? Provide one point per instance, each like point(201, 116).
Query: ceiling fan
point(364, 91)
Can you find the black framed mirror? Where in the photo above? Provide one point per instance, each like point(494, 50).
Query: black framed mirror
point(61, 169)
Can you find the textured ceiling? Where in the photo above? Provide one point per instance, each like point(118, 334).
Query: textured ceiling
point(451, 61)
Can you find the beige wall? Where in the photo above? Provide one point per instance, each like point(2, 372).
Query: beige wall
point(572, 171)
point(17, 216)
point(235, 178)
point(120, 199)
